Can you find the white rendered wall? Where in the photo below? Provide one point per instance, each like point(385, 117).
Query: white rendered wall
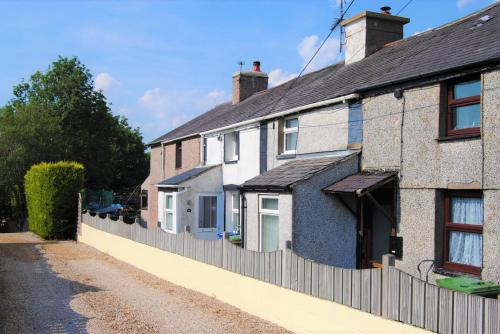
point(214, 150)
point(248, 165)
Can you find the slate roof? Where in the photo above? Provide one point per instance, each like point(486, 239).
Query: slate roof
point(183, 177)
point(285, 176)
point(361, 181)
point(453, 46)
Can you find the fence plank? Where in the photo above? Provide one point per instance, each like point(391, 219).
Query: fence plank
point(267, 264)
point(272, 267)
point(475, 314)
point(356, 289)
point(346, 287)
point(376, 291)
point(366, 287)
point(325, 276)
point(405, 296)
point(294, 272)
point(418, 303)
point(460, 305)
point(338, 287)
point(315, 279)
point(307, 277)
point(431, 297)
point(445, 319)
point(492, 316)
point(393, 291)
point(287, 269)
point(300, 273)
point(279, 265)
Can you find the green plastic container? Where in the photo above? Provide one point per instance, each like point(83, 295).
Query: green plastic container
point(471, 286)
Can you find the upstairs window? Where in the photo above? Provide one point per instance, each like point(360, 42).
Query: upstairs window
point(463, 231)
point(232, 146)
point(290, 133)
point(178, 155)
point(204, 150)
point(144, 200)
point(464, 107)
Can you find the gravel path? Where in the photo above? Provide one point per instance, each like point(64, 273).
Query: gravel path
point(67, 287)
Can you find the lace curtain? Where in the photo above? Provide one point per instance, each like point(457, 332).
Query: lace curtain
point(465, 247)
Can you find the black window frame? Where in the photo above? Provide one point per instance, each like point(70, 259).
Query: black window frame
point(178, 155)
point(144, 199)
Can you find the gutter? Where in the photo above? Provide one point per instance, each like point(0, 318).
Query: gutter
point(340, 99)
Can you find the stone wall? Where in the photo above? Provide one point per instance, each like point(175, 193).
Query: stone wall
point(428, 165)
point(324, 230)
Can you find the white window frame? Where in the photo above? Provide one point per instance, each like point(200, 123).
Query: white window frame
point(268, 212)
point(235, 211)
point(218, 215)
point(290, 130)
point(173, 211)
point(235, 146)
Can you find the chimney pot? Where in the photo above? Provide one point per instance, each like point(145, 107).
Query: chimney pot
point(386, 10)
point(256, 66)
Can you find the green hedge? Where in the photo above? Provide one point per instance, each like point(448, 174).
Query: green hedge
point(52, 198)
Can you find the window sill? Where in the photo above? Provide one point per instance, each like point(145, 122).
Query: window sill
point(453, 273)
point(285, 156)
point(458, 137)
point(231, 162)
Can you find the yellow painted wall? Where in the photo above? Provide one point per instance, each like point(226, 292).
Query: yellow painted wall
point(295, 311)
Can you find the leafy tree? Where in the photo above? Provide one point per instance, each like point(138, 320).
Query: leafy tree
point(57, 115)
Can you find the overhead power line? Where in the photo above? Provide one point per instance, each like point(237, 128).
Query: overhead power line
point(403, 8)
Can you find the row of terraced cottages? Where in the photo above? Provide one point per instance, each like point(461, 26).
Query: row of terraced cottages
point(394, 150)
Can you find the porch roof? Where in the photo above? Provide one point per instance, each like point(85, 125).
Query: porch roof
point(360, 183)
point(285, 176)
point(187, 175)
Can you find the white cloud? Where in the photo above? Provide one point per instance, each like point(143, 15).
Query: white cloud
point(171, 108)
point(419, 32)
point(104, 81)
point(328, 54)
point(216, 93)
point(279, 76)
point(462, 3)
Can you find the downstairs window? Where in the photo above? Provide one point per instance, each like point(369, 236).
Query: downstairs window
point(463, 232)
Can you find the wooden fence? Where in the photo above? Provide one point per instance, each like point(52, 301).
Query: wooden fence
point(386, 292)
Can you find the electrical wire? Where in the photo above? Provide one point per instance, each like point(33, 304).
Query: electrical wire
point(403, 8)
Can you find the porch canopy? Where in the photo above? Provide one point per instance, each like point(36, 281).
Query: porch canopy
point(175, 181)
point(284, 177)
point(361, 183)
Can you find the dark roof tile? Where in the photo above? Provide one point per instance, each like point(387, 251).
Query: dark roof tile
point(290, 173)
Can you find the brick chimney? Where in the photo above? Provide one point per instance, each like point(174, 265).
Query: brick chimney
point(245, 84)
point(368, 32)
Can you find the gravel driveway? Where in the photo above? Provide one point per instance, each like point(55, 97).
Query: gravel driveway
point(67, 287)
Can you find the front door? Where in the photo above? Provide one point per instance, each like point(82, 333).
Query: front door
point(377, 227)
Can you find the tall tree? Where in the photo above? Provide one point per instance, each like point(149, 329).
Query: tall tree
point(57, 115)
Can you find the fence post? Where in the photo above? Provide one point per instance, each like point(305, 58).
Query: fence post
point(79, 217)
point(388, 260)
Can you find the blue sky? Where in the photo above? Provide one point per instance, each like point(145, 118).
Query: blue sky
point(160, 63)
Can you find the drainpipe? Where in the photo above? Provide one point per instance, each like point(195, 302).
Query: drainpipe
point(162, 161)
point(243, 213)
